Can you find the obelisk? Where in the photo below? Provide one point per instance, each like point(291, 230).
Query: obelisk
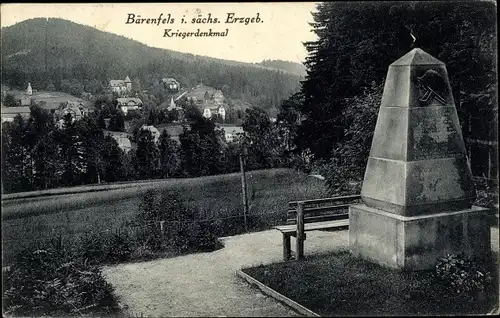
point(418, 190)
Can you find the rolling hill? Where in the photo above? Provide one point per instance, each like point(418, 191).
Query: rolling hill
point(50, 51)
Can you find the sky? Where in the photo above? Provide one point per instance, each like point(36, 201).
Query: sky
point(279, 34)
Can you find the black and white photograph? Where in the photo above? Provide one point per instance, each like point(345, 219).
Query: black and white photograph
point(250, 159)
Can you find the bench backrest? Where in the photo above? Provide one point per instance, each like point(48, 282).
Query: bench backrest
point(319, 210)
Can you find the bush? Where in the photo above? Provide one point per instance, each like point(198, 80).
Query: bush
point(464, 276)
point(183, 230)
point(51, 282)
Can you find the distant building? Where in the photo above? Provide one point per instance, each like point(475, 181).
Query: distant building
point(29, 90)
point(154, 132)
point(122, 140)
point(211, 109)
point(76, 109)
point(231, 133)
point(25, 101)
point(121, 87)
point(8, 113)
point(209, 100)
point(124, 143)
point(171, 84)
point(129, 103)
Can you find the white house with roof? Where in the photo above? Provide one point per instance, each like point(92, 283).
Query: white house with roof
point(9, 113)
point(171, 84)
point(210, 110)
point(129, 103)
point(122, 139)
point(121, 86)
point(231, 133)
point(77, 109)
point(209, 100)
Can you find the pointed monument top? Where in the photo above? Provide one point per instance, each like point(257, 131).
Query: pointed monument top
point(417, 57)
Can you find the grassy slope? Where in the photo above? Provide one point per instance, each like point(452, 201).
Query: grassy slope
point(33, 219)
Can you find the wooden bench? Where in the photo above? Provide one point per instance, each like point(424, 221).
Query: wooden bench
point(313, 215)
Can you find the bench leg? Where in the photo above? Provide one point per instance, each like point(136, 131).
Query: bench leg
point(299, 247)
point(287, 251)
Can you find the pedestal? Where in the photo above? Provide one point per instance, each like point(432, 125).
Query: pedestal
point(416, 242)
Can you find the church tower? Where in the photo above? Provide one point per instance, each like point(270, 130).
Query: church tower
point(29, 90)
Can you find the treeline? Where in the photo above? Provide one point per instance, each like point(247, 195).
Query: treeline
point(347, 65)
point(62, 55)
point(40, 154)
point(291, 67)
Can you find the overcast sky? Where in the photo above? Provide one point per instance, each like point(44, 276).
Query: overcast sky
point(280, 35)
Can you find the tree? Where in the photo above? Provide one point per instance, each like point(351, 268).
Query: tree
point(92, 139)
point(100, 121)
point(112, 160)
point(169, 155)
point(288, 121)
point(261, 137)
point(147, 155)
point(43, 149)
point(48, 168)
point(344, 172)
point(9, 100)
point(117, 122)
point(72, 152)
point(14, 156)
point(201, 148)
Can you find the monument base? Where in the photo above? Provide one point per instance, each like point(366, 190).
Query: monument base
point(415, 243)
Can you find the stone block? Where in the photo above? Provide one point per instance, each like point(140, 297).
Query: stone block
point(391, 132)
point(416, 243)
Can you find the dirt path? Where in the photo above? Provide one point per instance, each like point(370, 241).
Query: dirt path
point(205, 284)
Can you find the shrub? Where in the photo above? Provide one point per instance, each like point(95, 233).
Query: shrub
point(118, 248)
point(463, 276)
point(91, 249)
point(183, 230)
point(49, 282)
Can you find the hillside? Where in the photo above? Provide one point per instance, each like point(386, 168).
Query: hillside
point(51, 51)
point(287, 66)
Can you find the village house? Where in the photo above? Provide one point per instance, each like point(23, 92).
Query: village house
point(122, 139)
point(123, 143)
point(77, 109)
point(25, 99)
point(129, 103)
point(171, 84)
point(209, 100)
point(231, 133)
point(121, 87)
point(211, 109)
point(9, 113)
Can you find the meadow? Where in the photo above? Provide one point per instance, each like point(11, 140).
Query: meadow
point(37, 219)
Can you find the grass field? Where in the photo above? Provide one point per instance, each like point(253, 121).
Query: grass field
point(39, 218)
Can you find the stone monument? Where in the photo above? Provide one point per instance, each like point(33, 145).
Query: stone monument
point(418, 190)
